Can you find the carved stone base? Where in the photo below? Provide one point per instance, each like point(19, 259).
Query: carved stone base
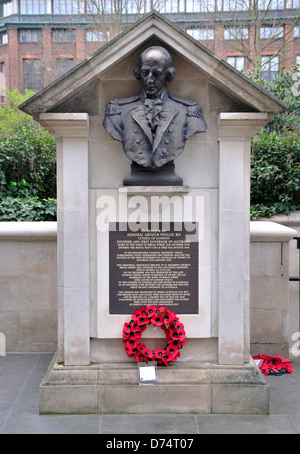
point(182, 388)
point(145, 176)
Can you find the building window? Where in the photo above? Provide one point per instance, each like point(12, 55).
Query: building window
point(270, 67)
point(296, 4)
point(169, 6)
point(237, 62)
point(30, 36)
point(298, 60)
point(65, 6)
point(95, 36)
point(267, 5)
point(199, 6)
point(3, 38)
point(235, 5)
point(271, 32)
point(99, 7)
point(63, 65)
point(33, 6)
point(2, 82)
point(64, 36)
point(192, 6)
point(208, 5)
point(297, 32)
point(32, 74)
point(134, 7)
point(201, 33)
point(236, 33)
point(7, 9)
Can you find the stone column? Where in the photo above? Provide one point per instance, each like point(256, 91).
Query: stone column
point(71, 132)
point(234, 135)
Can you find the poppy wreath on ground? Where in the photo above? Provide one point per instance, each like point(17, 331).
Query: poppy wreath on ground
point(274, 365)
point(159, 316)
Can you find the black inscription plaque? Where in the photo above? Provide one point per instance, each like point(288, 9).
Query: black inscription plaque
point(153, 267)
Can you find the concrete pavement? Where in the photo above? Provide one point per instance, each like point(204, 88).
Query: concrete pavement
point(21, 374)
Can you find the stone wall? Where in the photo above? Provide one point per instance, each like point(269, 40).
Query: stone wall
point(269, 289)
point(28, 282)
point(28, 287)
point(292, 221)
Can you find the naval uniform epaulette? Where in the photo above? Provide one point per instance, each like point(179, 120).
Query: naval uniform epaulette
point(193, 108)
point(113, 108)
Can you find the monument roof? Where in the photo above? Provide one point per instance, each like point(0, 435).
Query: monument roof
point(153, 26)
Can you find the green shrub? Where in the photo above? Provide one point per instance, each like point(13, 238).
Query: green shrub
point(27, 209)
point(28, 176)
point(275, 173)
point(11, 117)
point(29, 155)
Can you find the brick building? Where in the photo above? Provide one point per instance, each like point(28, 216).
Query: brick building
point(42, 39)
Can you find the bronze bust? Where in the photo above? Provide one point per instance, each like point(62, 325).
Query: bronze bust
point(154, 125)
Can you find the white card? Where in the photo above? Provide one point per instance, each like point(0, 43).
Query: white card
point(147, 373)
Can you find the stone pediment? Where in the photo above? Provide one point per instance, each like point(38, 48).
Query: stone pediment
point(74, 92)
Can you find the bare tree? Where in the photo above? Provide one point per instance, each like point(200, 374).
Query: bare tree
point(111, 17)
point(252, 27)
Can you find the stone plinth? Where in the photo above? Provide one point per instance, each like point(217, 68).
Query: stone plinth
point(182, 388)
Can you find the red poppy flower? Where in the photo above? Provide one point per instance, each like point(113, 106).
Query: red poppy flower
point(165, 361)
point(146, 352)
point(150, 311)
point(166, 317)
point(140, 316)
point(143, 320)
point(159, 353)
point(182, 337)
point(135, 325)
point(179, 327)
point(157, 320)
point(174, 334)
point(139, 357)
point(138, 329)
point(131, 347)
point(178, 336)
point(172, 352)
point(127, 330)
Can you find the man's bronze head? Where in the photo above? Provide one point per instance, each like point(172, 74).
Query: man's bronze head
point(154, 69)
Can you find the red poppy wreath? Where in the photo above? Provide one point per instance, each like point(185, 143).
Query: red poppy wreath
point(165, 319)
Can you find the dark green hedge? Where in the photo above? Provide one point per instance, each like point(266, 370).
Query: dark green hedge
point(28, 176)
point(275, 173)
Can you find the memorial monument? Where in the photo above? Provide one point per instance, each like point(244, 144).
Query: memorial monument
point(153, 250)
point(154, 125)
